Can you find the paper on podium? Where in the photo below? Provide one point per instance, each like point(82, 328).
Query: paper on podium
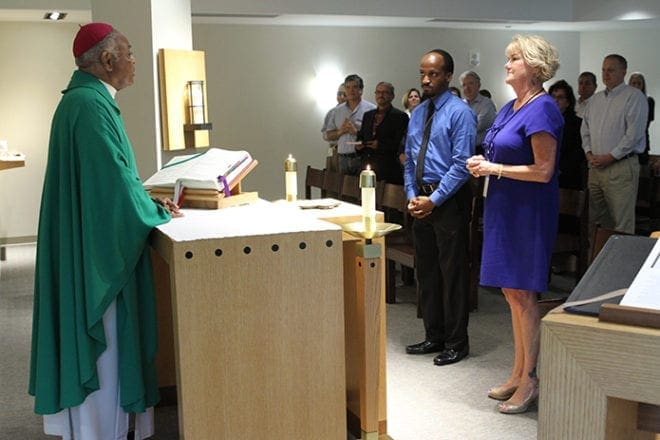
point(644, 292)
point(12, 157)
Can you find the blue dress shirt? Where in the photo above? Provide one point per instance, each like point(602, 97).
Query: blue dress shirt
point(451, 143)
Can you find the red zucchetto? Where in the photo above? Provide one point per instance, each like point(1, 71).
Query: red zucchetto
point(88, 35)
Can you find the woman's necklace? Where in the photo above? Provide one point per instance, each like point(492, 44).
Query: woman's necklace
point(496, 127)
point(538, 92)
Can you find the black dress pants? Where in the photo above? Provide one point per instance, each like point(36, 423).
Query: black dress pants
point(443, 270)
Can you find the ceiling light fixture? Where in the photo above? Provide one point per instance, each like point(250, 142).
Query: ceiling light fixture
point(54, 15)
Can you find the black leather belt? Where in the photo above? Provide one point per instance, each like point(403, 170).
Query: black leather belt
point(628, 156)
point(426, 189)
point(348, 154)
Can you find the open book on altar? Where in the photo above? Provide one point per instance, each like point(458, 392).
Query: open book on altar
point(214, 171)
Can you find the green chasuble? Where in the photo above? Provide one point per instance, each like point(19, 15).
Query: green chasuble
point(91, 250)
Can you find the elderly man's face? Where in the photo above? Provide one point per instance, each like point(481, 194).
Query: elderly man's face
point(383, 96)
point(122, 68)
point(470, 87)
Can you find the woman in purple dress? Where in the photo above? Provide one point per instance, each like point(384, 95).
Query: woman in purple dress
point(521, 206)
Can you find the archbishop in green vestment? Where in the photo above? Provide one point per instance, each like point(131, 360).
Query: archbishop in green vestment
point(92, 250)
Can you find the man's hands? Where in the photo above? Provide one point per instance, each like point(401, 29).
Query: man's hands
point(420, 206)
point(600, 160)
point(367, 144)
point(169, 205)
point(348, 127)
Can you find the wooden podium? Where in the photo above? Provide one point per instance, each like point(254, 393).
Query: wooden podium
point(601, 380)
point(593, 374)
point(257, 315)
point(365, 328)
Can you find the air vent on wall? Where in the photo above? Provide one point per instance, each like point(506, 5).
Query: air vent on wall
point(479, 20)
point(216, 15)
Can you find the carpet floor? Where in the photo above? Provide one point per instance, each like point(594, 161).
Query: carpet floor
point(424, 402)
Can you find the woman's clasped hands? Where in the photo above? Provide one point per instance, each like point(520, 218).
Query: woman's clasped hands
point(478, 166)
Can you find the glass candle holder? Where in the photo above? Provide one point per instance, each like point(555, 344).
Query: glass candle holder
point(291, 179)
point(368, 190)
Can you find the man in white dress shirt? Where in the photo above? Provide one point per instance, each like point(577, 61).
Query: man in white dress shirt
point(345, 124)
point(480, 104)
point(332, 162)
point(613, 134)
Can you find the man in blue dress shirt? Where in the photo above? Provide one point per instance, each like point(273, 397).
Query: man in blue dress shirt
point(441, 136)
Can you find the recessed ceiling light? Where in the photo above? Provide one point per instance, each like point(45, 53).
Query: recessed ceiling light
point(54, 15)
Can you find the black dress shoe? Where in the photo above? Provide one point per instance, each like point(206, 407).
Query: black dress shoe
point(451, 356)
point(425, 347)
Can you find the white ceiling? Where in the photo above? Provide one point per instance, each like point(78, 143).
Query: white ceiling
point(423, 22)
point(37, 15)
point(622, 22)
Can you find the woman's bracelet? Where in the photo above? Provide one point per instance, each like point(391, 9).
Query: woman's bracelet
point(499, 172)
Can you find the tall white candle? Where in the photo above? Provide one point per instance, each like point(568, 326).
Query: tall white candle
point(291, 179)
point(368, 187)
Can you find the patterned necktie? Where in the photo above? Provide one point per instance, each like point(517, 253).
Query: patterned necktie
point(419, 171)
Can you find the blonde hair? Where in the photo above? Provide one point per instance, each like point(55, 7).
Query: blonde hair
point(404, 100)
point(537, 52)
point(638, 75)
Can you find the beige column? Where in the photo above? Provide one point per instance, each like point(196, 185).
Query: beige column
point(149, 25)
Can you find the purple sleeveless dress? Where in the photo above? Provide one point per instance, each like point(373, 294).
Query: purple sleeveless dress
point(520, 218)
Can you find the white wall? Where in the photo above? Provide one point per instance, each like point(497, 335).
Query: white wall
point(640, 50)
point(258, 80)
point(257, 88)
point(37, 65)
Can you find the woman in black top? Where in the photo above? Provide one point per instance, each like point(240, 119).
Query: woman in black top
point(572, 161)
point(637, 80)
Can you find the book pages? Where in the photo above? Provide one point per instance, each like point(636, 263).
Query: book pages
point(206, 170)
point(644, 292)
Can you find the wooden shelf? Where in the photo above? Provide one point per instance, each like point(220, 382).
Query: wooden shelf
point(195, 127)
point(7, 164)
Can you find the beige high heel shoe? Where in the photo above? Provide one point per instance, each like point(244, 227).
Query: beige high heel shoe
point(502, 392)
point(510, 408)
